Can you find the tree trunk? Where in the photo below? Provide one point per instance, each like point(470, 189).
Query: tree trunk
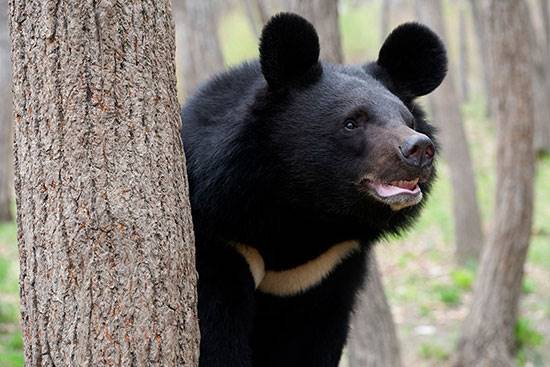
point(251, 10)
point(464, 55)
point(446, 113)
point(545, 13)
point(488, 331)
point(478, 12)
point(541, 78)
point(324, 16)
point(541, 95)
point(181, 48)
point(6, 157)
point(104, 224)
point(258, 13)
point(373, 341)
point(203, 57)
point(265, 9)
point(385, 17)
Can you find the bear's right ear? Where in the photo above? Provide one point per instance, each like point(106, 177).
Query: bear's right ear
point(289, 50)
point(415, 59)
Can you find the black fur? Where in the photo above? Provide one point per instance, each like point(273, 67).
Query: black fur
point(272, 165)
point(289, 50)
point(415, 58)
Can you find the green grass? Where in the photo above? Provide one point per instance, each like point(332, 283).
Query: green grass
point(450, 295)
point(526, 335)
point(539, 252)
point(463, 278)
point(8, 313)
point(11, 342)
point(8, 233)
point(528, 286)
point(11, 359)
point(433, 351)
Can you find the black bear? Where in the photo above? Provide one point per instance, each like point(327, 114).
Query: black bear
point(296, 167)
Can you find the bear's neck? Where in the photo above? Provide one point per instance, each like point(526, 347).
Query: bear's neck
point(296, 240)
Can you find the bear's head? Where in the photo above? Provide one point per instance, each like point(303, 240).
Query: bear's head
point(291, 144)
point(349, 141)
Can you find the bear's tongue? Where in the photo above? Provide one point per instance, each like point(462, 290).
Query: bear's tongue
point(396, 188)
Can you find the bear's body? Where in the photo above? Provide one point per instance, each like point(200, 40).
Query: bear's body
point(291, 164)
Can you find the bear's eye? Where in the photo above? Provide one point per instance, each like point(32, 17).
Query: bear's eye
point(350, 124)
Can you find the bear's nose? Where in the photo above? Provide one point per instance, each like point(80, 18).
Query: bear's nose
point(417, 150)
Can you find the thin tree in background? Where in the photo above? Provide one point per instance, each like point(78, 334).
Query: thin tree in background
point(324, 16)
point(265, 9)
point(252, 14)
point(446, 114)
point(541, 77)
point(6, 157)
point(258, 13)
point(385, 18)
point(104, 223)
point(478, 12)
point(488, 331)
point(545, 13)
point(203, 56)
point(464, 54)
point(373, 340)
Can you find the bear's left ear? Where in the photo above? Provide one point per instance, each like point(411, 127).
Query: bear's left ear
point(289, 50)
point(415, 59)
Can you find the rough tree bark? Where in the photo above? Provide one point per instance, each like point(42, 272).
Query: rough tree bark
point(324, 16)
point(464, 55)
point(478, 12)
point(488, 331)
point(181, 48)
point(203, 55)
point(446, 113)
point(104, 224)
point(373, 341)
point(6, 120)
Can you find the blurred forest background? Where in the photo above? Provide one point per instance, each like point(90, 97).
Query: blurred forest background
point(429, 273)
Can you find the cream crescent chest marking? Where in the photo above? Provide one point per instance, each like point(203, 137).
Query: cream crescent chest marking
point(255, 261)
point(299, 279)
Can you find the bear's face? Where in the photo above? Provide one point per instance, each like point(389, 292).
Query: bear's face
point(348, 137)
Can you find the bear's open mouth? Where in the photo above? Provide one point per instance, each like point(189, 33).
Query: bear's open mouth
point(397, 194)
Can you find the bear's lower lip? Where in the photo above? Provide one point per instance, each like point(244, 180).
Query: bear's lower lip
point(396, 194)
point(388, 190)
